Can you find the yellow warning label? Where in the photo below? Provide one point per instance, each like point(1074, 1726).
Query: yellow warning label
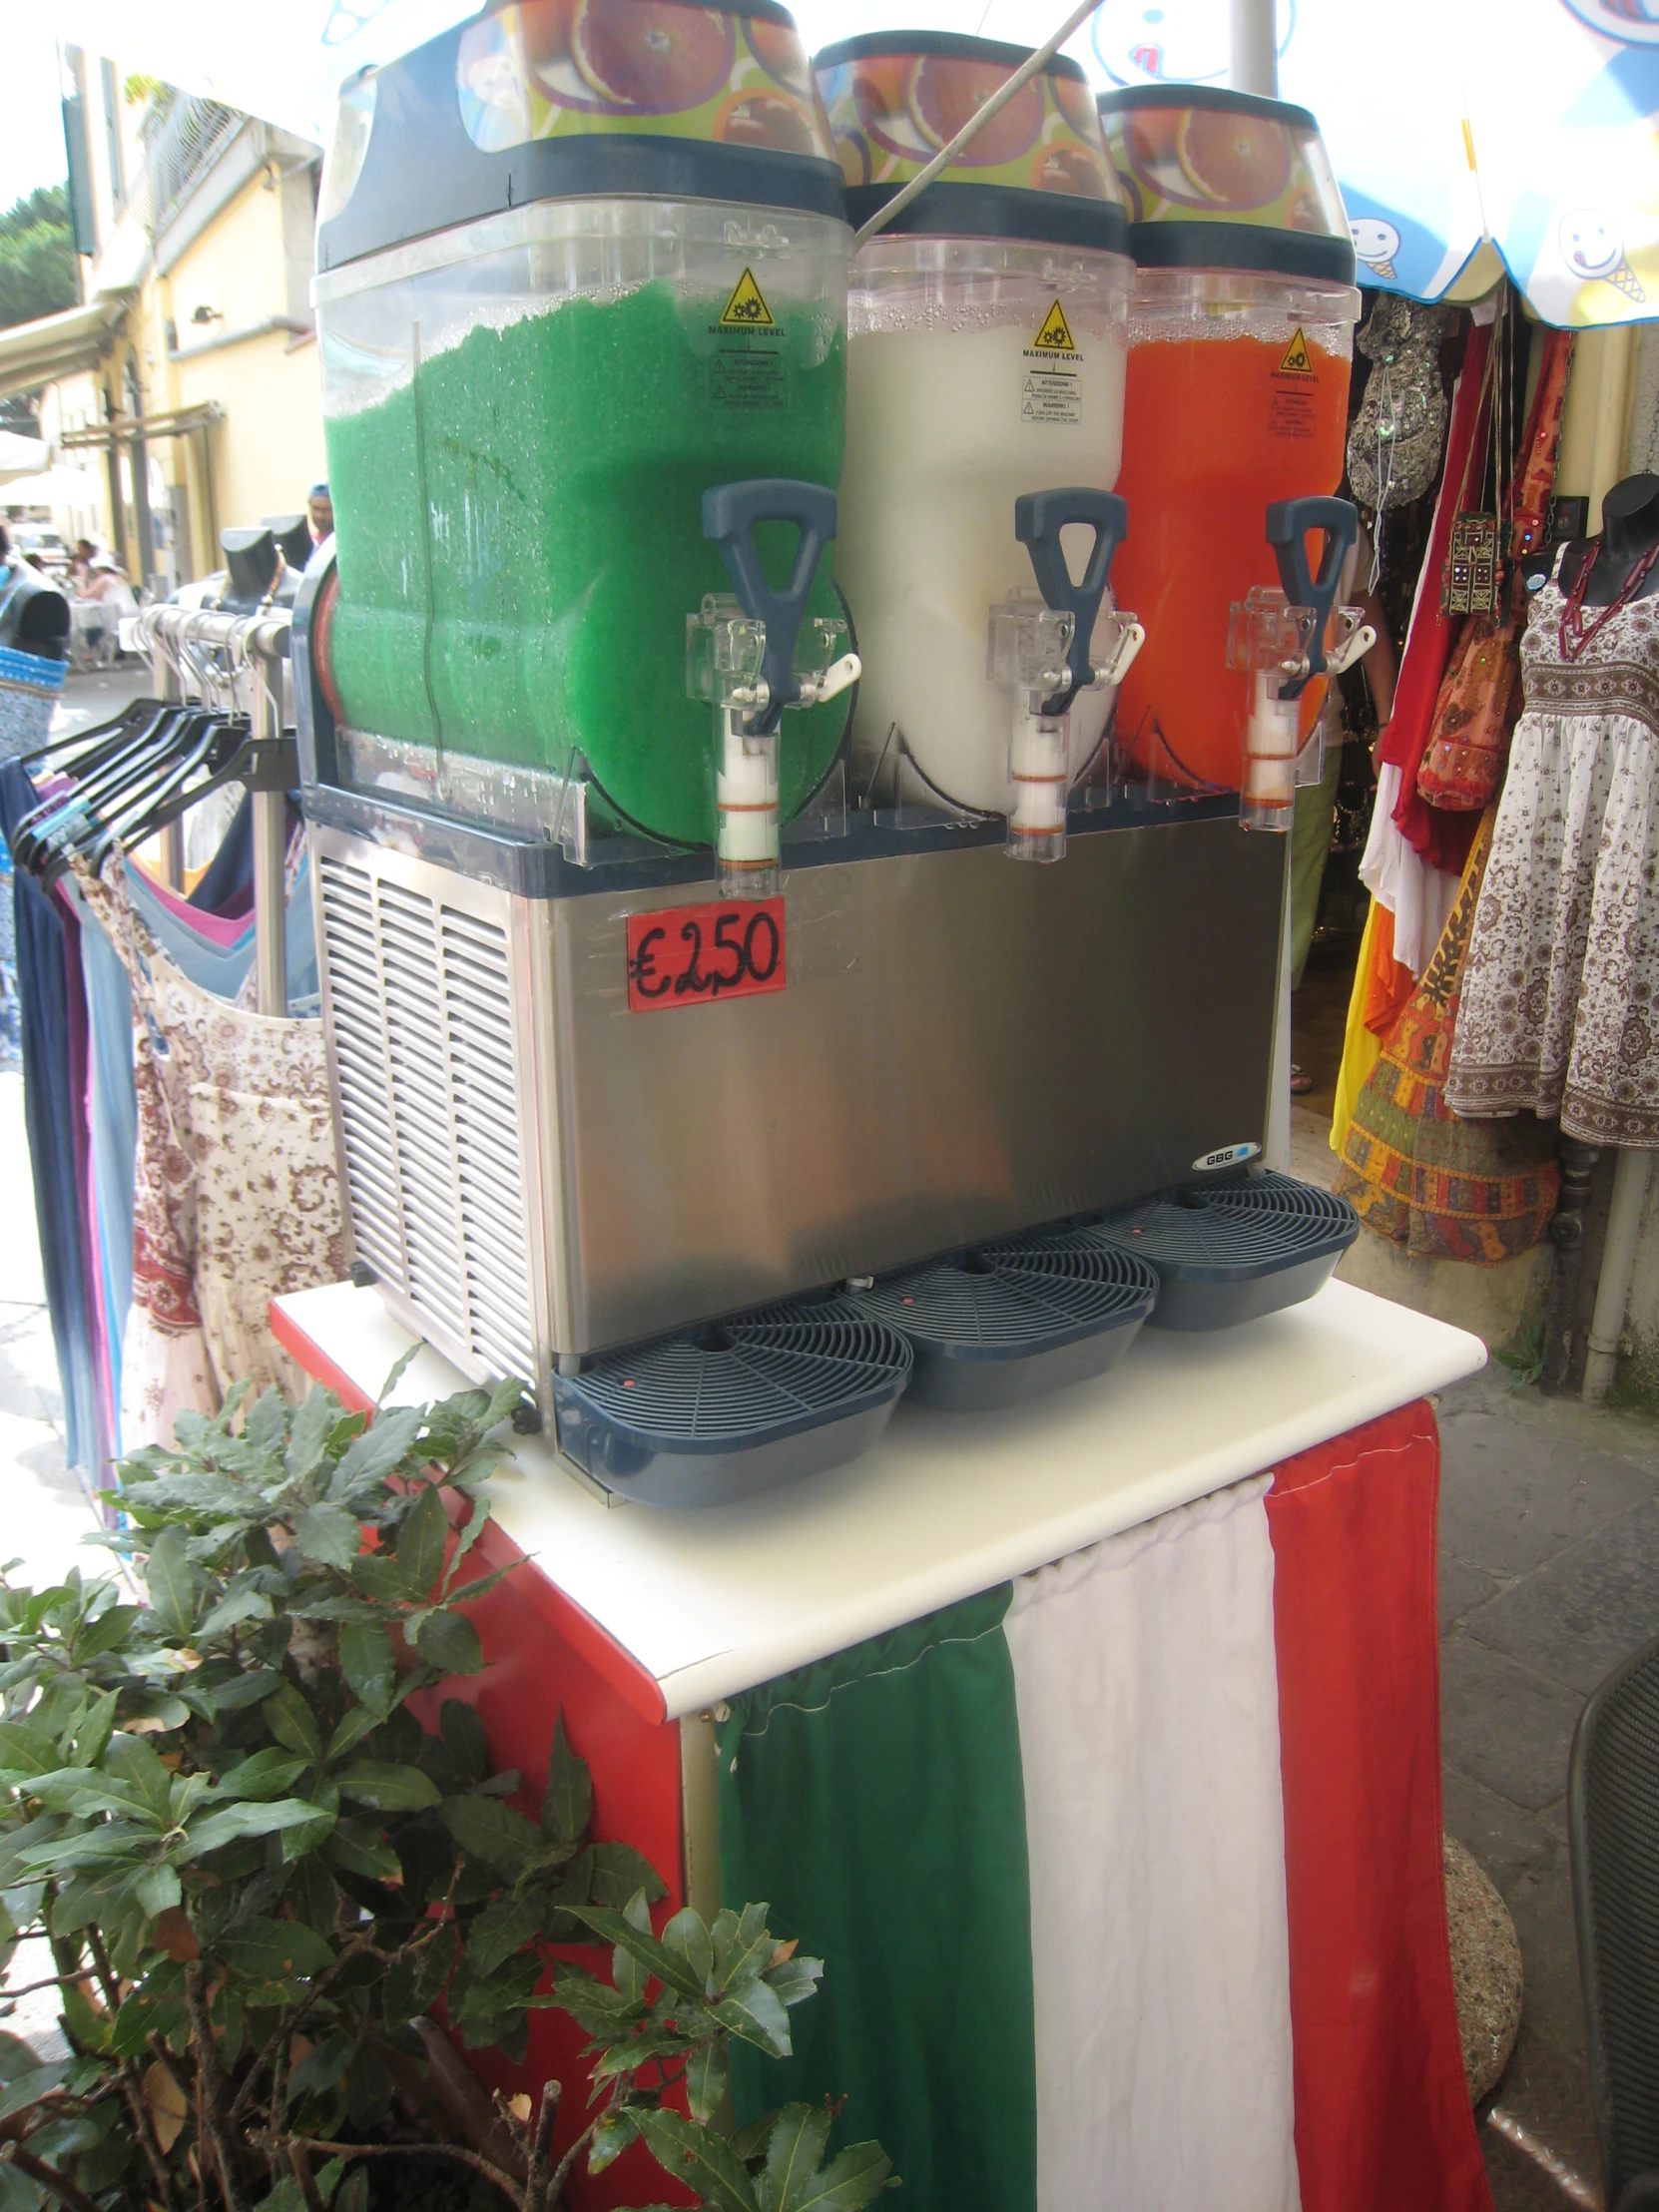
point(1055, 334)
point(1298, 360)
point(747, 310)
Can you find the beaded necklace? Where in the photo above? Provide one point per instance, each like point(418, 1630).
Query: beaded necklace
point(1576, 633)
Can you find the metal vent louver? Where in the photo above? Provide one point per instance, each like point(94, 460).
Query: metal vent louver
point(1226, 1252)
point(420, 1001)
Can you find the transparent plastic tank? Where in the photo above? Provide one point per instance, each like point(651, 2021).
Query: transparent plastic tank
point(986, 336)
point(953, 413)
point(1240, 338)
point(524, 411)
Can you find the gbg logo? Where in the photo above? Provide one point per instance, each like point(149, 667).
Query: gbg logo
point(1229, 1156)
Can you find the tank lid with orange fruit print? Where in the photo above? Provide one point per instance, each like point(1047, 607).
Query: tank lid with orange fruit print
point(1039, 169)
point(575, 99)
point(1222, 180)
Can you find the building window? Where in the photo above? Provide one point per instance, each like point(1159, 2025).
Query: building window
point(111, 134)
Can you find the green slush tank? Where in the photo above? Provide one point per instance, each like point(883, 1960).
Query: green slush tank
point(578, 263)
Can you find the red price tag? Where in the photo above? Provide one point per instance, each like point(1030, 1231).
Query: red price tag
point(692, 956)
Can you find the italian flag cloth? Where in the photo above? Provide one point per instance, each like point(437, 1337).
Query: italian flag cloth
point(1045, 1842)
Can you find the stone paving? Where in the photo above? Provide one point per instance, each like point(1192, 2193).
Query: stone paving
point(1549, 1576)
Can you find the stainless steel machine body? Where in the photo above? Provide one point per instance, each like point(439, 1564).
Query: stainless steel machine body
point(962, 1049)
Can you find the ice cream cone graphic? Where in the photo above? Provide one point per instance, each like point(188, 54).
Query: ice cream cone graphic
point(1383, 269)
point(1593, 247)
point(1627, 281)
point(1376, 243)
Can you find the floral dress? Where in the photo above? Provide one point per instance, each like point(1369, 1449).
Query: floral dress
point(238, 1190)
point(1560, 996)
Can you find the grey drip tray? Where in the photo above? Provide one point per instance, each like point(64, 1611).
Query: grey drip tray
point(716, 1415)
point(1226, 1252)
point(1004, 1321)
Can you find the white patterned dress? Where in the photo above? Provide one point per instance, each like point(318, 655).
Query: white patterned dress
point(1559, 1011)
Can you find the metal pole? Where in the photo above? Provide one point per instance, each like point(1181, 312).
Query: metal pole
point(1254, 56)
point(270, 950)
point(164, 675)
point(1618, 1264)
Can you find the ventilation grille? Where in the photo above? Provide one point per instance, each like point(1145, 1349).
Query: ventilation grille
point(1247, 1228)
point(420, 997)
point(773, 1371)
point(1020, 1293)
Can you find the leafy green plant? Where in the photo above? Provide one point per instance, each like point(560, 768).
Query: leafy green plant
point(258, 1870)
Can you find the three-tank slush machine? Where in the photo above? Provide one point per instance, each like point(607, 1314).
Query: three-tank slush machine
point(716, 613)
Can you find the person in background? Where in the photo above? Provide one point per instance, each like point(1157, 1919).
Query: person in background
point(1316, 804)
point(321, 510)
point(107, 595)
point(80, 566)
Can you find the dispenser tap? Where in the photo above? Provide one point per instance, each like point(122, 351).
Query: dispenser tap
point(1048, 646)
point(1282, 639)
point(755, 654)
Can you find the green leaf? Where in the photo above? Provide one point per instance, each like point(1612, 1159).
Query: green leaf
point(237, 1821)
point(171, 1582)
point(365, 1658)
point(289, 1716)
point(449, 1642)
point(381, 1577)
point(464, 1738)
point(103, 1634)
point(708, 2076)
point(237, 1606)
point(132, 1760)
point(423, 1537)
point(313, 1425)
point(370, 1457)
point(704, 2163)
point(750, 2141)
point(593, 2005)
point(387, 1787)
point(500, 1929)
point(328, 1533)
point(159, 1889)
point(267, 1426)
point(612, 2135)
point(488, 1829)
point(742, 1946)
point(567, 1802)
point(26, 1750)
point(688, 1934)
point(418, 1975)
point(794, 2152)
point(398, 1368)
point(359, 1848)
point(754, 2012)
point(794, 1981)
point(91, 1738)
point(619, 1871)
point(86, 2025)
point(323, 2066)
point(850, 2181)
point(355, 1723)
point(267, 1774)
point(616, 1929)
point(276, 1951)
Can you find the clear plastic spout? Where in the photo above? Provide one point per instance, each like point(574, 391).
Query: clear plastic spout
point(1028, 648)
point(725, 653)
point(1270, 641)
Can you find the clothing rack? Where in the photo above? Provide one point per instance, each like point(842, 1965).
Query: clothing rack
point(203, 652)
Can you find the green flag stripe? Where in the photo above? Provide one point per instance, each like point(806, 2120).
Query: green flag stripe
point(841, 1796)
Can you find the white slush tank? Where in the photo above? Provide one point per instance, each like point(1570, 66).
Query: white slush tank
point(987, 349)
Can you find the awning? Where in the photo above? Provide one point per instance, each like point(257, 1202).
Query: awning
point(56, 345)
point(122, 429)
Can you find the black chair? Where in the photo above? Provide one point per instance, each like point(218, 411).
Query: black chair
point(1613, 1830)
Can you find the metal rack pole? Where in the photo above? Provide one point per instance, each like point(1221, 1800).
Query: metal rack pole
point(165, 676)
point(271, 951)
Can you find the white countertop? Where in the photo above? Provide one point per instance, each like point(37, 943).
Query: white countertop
point(710, 1603)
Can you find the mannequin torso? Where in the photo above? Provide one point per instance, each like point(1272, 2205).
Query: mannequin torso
point(1629, 529)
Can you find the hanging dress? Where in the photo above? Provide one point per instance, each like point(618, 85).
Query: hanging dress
point(237, 1188)
point(1559, 1009)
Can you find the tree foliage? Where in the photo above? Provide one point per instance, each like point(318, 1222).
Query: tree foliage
point(37, 256)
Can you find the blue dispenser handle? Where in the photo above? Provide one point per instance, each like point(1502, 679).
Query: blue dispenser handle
point(1289, 522)
point(1039, 517)
point(730, 513)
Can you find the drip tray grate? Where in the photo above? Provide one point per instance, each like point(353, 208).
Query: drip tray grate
point(718, 1414)
point(1227, 1253)
point(1006, 1320)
